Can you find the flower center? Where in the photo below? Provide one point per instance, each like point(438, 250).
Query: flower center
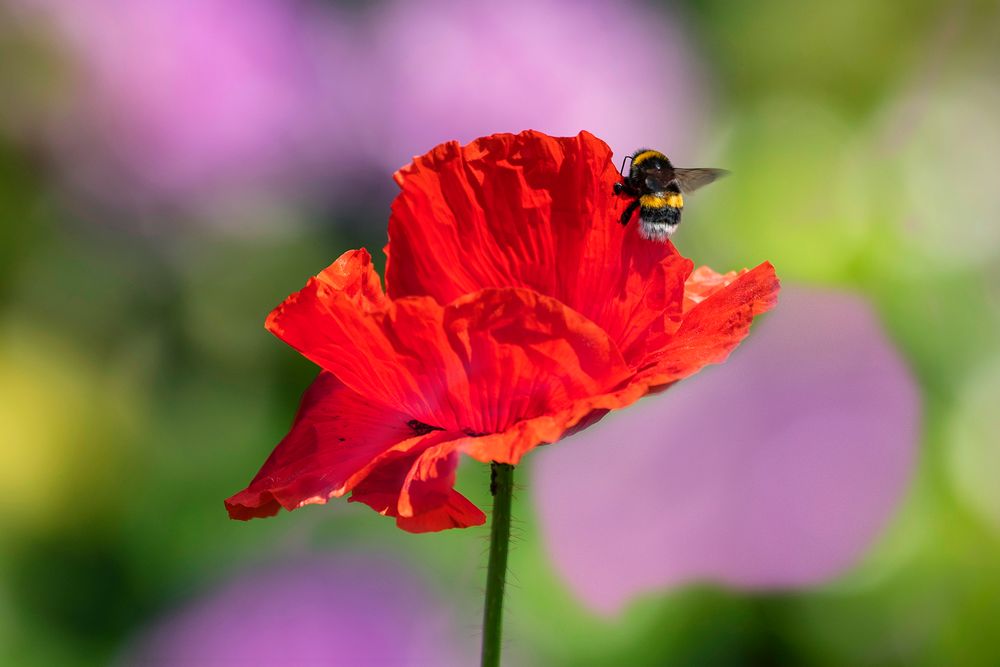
point(421, 428)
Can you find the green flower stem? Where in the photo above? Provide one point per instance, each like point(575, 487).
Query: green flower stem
point(501, 486)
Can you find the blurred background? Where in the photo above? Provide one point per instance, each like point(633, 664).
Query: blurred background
point(171, 169)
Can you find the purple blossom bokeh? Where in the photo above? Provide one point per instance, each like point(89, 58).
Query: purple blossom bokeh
point(344, 611)
point(183, 103)
point(776, 470)
point(194, 101)
point(454, 70)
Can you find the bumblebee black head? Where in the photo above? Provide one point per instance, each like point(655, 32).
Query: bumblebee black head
point(645, 158)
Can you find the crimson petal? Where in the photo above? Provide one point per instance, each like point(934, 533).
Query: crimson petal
point(479, 365)
point(533, 211)
point(713, 327)
point(415, 487)
point(336, 437)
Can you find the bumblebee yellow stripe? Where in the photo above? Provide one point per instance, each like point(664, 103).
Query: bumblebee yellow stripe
point(652, 201)
point(645, 155)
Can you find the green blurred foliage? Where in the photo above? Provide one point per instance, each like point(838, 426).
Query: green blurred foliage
point(842, 53)
point(138, 387)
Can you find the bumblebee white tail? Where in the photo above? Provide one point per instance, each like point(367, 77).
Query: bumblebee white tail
point(656, 231)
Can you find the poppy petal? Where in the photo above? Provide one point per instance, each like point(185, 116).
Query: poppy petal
point(703, 283)
point(531, 211)
point(415, 487)
point(478, 365)
point(712, 328)
point(527, 355)
point(335, 435)
point(389, 355)
point(512, 444)
point(353, 275)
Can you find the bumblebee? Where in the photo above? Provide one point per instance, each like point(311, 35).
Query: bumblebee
point(658, 189)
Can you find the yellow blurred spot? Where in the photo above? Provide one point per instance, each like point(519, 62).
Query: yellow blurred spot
point(56, 458)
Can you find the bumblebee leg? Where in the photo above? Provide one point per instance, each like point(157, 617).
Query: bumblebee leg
point(627, 215)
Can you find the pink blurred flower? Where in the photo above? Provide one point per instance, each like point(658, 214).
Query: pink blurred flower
point(351, 610)
point(460, 70)
point(183, 103)
point(194, 99)
point(786, 486)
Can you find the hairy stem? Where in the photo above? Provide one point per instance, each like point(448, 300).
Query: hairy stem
point(501, 486)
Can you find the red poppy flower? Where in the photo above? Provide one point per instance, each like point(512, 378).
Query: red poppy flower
point(516, 308)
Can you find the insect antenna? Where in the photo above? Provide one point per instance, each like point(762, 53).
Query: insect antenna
point(624, 159)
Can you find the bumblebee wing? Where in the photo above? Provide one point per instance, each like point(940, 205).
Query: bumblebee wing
point(658, 180)
point(692, 179)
